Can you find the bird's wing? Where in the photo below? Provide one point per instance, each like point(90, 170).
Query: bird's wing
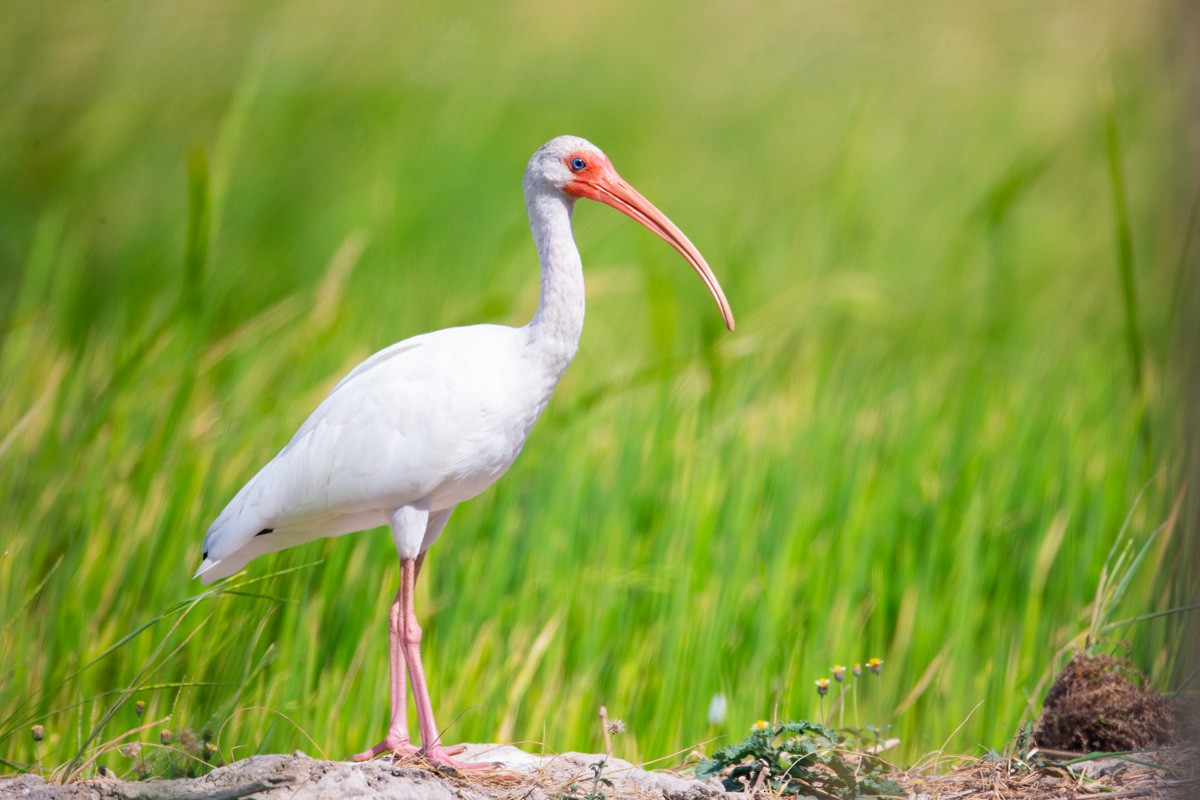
point(387, 435)
point(386, 354)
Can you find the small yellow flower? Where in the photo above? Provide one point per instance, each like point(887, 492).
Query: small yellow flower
point(822, 686)
point(139, 707)
point(856, 668)
point(839, 672)
point(37, 732)
point(761, 725)
point(875, 665)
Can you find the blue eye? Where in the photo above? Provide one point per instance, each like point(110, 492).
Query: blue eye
point(577, 163)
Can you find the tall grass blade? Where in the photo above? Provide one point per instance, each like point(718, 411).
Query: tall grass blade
point(1124, 236)
point(199, 215)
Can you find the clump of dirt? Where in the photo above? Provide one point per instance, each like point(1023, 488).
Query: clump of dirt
point(1103, 703)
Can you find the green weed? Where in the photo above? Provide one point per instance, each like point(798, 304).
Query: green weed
point(798, 759)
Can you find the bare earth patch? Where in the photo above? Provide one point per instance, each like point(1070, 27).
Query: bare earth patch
point(1165, 775)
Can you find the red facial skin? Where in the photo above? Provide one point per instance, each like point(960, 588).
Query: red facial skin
point(598, 181)
point(598, 168)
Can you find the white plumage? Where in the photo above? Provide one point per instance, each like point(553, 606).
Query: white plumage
point(434, 420)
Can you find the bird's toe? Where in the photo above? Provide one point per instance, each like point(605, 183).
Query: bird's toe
point(400, 748)
point(443, 758)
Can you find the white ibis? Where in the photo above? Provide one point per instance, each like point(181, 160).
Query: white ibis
point(427, 423)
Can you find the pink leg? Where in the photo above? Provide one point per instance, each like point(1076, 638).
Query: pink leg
point(397, 740)
point(431, 740)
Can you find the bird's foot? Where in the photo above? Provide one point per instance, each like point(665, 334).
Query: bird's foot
point(442, 758)
point(399, 746)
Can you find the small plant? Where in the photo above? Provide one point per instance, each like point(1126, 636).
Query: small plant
point(868, 739)
point(595, 793)
point(178, 755)
point(798, 759)
point(609, 728)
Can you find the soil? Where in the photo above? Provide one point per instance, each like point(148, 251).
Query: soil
point(1161, 775)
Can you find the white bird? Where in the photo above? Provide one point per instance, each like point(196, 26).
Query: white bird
point(434, 420)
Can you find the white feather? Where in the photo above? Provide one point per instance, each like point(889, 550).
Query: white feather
point(434, 419)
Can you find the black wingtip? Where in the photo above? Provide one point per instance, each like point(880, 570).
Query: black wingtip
point(265, 530)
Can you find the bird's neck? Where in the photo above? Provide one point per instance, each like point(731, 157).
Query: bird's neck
point(556, 327)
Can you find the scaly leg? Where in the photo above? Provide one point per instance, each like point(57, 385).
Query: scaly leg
point(397, 740)
point(431, 740)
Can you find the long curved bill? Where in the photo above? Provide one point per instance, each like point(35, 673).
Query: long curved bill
point(612, 190)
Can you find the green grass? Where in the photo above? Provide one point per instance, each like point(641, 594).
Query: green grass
point(921, 443)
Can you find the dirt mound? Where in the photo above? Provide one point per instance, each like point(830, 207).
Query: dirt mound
point(1102, 703)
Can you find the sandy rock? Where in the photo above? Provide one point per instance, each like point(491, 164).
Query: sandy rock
point(297, 777)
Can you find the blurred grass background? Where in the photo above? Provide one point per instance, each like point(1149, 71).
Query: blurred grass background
point(921, 443)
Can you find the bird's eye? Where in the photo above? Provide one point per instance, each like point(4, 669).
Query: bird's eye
point(577, 163)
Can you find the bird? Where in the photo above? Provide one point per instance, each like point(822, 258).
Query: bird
point(433, 421)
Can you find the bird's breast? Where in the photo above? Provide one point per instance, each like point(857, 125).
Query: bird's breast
point(502, 405)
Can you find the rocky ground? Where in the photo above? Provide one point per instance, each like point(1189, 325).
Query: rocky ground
point(525, 776)
point(298, 777)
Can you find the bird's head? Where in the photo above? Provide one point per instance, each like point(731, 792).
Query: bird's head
point(577, 168)
point(562, 161)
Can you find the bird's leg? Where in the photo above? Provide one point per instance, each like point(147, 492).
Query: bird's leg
point(431, 740)
point(397, 740)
